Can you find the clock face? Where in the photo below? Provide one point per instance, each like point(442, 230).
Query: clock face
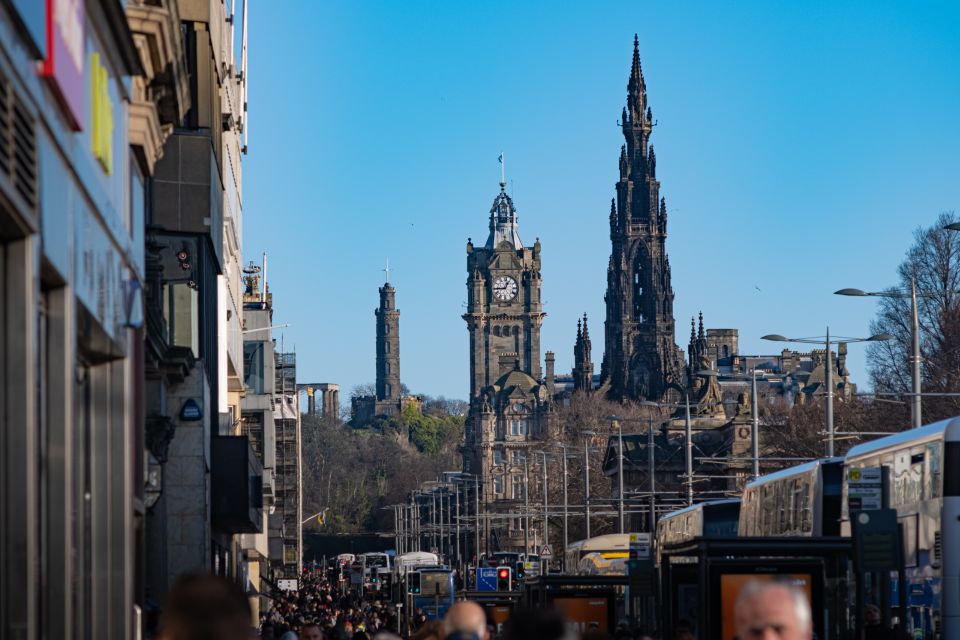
point(504, 288)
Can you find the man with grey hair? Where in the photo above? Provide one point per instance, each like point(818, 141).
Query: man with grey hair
point(773, 610)
point(465, 621)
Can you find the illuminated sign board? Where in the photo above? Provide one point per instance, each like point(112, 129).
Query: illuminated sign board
point(101, 115)
point(63, 65)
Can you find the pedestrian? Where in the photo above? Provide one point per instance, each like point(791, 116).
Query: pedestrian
point(201, 606)
point(773, 610)
point(311, 631)
point(465, 621)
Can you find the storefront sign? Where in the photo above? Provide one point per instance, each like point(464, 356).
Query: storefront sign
point(101, 115)
point(64, 62)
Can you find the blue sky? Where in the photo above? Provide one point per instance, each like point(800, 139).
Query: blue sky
point(798, 147)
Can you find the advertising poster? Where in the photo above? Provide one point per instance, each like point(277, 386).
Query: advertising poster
point(732, 583)
point(584, 613)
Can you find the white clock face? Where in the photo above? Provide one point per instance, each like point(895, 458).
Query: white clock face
point(504, 288)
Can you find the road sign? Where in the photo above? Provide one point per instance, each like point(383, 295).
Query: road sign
point(876, 537)
point(639, 546)
point(487, 579)
point(864, 488)
point(546, 552)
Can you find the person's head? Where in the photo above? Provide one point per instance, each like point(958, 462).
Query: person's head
point(430, 631)
point(872, 615)
point(773, 611)
point(311, 631)
point(205, 607)
point(467, 621)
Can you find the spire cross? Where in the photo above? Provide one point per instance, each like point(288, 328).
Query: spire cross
point(386, 270)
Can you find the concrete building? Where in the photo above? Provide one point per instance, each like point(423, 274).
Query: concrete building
point(257, 407)
point(206, 476)
point(75, 155)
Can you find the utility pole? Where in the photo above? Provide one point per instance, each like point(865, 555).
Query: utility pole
point(829, 398)
point(456, 502)
point(476, 513)
point(651, 468)
point(526, 505)
point(546, 504)
point(688, 433)
point(586, 492)
point(620, 475)
point(755, 427)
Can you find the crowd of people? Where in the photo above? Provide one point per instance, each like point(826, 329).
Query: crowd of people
point(320, 605)
point(204, 607)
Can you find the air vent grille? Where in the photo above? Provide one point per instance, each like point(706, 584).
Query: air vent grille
point(18, 145)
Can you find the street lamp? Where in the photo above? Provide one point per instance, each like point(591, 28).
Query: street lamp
point(914, 338)
point(586, 463)
point(615, 420)
point(546, 504)
point(825, 340)
point(566, 539)
point(651, 464)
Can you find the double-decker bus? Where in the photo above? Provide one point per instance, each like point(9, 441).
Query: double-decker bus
point(803, 500)
point(923, 477)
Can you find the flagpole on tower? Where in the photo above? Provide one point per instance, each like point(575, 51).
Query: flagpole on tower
point(503, 172)
point(386, 270)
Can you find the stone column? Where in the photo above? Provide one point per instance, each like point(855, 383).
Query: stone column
point(311, 402)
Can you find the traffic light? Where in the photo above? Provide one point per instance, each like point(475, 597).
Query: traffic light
point(503, 579)
point(413, 582)
point(373, 577)
point(521, 572)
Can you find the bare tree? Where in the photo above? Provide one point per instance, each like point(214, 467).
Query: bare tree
point(933, 262)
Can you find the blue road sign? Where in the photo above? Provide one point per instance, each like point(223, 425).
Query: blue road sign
point(487, 579)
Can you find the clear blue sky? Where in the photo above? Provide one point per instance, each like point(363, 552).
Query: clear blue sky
point(798, 147)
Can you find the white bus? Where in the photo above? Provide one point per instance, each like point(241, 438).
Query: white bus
point(923, 468)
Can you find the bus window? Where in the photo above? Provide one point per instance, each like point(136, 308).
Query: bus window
point(933, 479)
point(430, 580)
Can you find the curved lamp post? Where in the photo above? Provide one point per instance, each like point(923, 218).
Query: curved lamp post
point(825, 340)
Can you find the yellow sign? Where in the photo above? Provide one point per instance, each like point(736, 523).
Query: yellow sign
point(101, 115)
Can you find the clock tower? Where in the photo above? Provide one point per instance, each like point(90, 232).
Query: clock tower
point(511, 408)
point(504, 310)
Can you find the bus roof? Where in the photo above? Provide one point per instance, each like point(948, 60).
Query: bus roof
point(701, 505)
point(602, 543)
point(949, 429)
point(795, 470)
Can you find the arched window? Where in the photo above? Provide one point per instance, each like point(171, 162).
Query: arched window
point(638, 278)
point(496, 331)
point(726, 351)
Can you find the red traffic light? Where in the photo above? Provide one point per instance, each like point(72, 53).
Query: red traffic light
point(503, 574)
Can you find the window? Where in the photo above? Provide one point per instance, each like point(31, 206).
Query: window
point(498, 485)
point(181, 310)
point(253, 366)
point(517, 485)
point(496, 331)
point(498, 456)
point(518, 426)
point(386, 347)
point(517, 456)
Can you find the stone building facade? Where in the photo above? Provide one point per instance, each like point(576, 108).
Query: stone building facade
point(641, 359)
point(511, 409)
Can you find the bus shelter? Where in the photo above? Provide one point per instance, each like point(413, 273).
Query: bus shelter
point(497, 605)
point(587, 602)
point(700, 580)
